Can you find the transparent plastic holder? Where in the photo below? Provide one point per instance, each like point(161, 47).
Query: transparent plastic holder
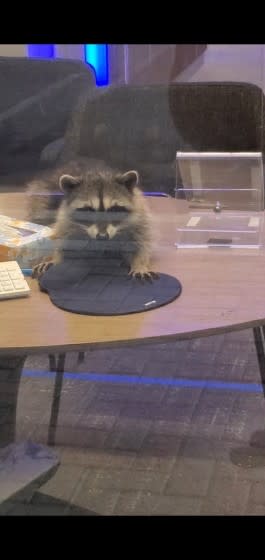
point(220, 199)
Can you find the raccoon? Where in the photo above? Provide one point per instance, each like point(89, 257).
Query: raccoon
point(44, 195)
point(103, 206)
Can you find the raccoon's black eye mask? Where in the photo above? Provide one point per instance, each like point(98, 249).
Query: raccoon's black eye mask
point(85, 209)
point(115, 209)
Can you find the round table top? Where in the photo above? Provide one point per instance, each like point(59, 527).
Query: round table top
point(223, 290)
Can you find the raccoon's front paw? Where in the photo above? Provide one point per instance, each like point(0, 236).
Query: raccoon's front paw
point(39, 269)
point(143, 274)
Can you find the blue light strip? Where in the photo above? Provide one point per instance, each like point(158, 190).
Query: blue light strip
point(41, 51)
point(97, 57)
point(163, 382)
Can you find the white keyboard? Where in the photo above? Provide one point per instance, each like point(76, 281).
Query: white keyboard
point(12, 281)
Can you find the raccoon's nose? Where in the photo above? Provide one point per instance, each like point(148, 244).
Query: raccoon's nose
point(103, 236)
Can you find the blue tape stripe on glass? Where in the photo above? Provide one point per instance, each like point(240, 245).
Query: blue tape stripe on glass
point(168, 381)
point(97, 57)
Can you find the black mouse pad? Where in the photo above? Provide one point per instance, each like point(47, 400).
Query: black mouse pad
point(96, 289)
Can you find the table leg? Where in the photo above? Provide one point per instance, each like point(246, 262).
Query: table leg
point(59, 368)
point(52, 362)
point(259, 339)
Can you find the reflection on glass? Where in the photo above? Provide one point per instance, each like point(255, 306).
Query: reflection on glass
point(223, 200)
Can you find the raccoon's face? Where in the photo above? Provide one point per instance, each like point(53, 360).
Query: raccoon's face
point(100, 203)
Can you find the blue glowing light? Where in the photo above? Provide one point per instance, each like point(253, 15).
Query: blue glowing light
point(41, 51)
point(97, 57)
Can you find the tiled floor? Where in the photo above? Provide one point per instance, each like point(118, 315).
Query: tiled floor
point(140, 446)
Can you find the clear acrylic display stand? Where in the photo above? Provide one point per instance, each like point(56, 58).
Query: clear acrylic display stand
point(223, 199)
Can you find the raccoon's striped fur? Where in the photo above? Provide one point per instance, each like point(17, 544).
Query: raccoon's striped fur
point(105, 207)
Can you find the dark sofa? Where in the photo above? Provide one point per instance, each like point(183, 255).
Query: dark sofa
point(51, 110)
point(142, 127)
point(36, 98)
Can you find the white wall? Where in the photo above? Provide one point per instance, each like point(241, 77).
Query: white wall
point(236, 63)
point(13, 50)
point(69, 51)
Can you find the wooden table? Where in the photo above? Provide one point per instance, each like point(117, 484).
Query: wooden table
point(223, 290)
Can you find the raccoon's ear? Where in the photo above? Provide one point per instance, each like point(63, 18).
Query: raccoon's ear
point(129, 179)
point(67, 183)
